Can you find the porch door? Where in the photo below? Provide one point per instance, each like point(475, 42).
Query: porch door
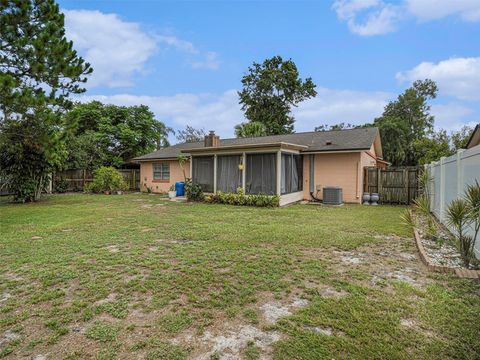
point(261, 176)
point(229, 176)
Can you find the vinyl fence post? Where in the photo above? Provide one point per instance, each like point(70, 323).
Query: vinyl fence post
point(459, 173)
point(442, 188)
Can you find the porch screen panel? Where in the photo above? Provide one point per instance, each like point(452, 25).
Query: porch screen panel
point(292, 173)
point(261, 174)
point(202, 172)
point(229, 176)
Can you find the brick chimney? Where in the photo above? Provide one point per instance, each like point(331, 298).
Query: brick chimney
point(212, 140)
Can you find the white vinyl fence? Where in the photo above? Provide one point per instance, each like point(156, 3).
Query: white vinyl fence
point(450, 177)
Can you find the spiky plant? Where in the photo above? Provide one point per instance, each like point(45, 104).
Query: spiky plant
point(422, 205)
point(472, 197)
point(424, 180)
point(458, 217)
point(408, 219)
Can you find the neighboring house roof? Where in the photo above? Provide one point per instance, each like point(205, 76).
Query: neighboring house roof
point(315, 141)
point(474, 138)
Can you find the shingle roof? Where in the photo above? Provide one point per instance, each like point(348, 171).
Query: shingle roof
point(341, 140)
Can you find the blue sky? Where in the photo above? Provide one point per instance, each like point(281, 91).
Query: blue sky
point(185, 59)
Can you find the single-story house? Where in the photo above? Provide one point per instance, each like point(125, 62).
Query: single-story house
point(474, 139)
point(293, 166)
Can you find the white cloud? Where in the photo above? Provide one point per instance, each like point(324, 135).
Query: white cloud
point(200, 60)
point(425, 10)
point(210, 61)
point(378, 17)
point(119, 50)
point(221, 112)
point(458, 77)
point(451, 116)
point(336, 106)
point(209, 111)
point(116, 49)
point(177, 43)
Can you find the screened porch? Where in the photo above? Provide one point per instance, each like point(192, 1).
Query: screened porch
point(276, 172)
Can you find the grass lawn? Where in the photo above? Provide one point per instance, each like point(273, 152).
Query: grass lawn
point(137, 276)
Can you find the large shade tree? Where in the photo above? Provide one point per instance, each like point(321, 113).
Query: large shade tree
point(270, 90)
point(39, 69)
point(405, 121)
point(110, 135)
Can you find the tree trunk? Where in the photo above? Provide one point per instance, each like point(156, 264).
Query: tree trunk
point(38, 190)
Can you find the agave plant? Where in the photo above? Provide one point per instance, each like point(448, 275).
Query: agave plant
point(422, 205)
point(472, 197)
point(459, 217)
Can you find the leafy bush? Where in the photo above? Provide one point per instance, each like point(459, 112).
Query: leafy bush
point(106, 179)
point(194, 191)
point(242, 199)
point(60, 185)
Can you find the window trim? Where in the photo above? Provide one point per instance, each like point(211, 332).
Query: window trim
point(162, 171)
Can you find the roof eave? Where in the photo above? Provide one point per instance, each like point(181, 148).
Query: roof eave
point(245, 146)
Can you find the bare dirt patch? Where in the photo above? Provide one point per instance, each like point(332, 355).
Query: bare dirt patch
point(111, 297)
point(273, 311)
point(232, 343)
point(112, 248)
point(9, 336)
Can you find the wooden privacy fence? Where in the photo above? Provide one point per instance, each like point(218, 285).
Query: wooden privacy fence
point(394, 185)
point(78, 178)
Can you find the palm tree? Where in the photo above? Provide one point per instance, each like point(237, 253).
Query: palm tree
point(250, 129)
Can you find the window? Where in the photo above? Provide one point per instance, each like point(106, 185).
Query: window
point(261, 174)
point(292, 173)
point(202, 172)
point(229, 176)
point(161, 171)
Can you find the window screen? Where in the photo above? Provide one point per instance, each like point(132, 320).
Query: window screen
point(161, 171)
point(292, 173)
point(261, 174)
point(202, 172)
point(229, 176)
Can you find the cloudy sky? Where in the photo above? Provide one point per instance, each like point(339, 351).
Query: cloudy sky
point(185, 59)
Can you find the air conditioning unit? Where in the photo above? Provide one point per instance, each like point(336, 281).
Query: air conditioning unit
point(332, 195)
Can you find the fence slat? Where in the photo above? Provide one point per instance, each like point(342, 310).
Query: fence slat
point(394, 185)
point(78, 178)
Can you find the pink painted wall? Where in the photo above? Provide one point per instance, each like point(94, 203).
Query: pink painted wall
point(161, 186)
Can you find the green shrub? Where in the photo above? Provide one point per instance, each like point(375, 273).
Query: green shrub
point(194, 191)
point(60, 185)
point(242, 199)
point(106, 179)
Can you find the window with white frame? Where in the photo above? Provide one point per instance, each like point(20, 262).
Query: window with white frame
point(161, 171)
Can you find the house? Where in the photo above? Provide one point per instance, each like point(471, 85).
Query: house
point(293, 166)
point(474, 139)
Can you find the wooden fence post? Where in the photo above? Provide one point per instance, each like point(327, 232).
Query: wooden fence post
point(379, 182)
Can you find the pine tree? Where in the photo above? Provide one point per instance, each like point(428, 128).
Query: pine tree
point(39, 69)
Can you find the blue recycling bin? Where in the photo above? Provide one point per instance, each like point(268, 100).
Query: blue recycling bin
point(180, 188)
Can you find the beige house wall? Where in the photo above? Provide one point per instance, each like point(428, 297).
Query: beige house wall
point(330, 169)
point(161, 186)
point(336, 169)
